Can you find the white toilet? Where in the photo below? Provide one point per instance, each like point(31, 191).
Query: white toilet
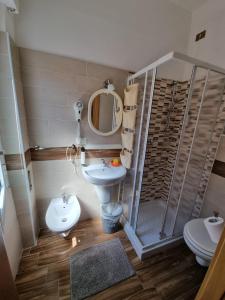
point(198, 240)
point(62, 214)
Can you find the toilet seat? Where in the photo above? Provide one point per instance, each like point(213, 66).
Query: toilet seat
point(196, 233)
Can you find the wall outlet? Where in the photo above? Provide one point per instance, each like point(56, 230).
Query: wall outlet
point(200, 35)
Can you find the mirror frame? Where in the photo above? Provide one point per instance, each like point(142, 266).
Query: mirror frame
point(120, 104)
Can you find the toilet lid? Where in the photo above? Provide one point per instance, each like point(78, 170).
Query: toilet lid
point(197, 233)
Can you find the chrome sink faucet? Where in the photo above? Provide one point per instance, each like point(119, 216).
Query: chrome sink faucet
point(104, 162)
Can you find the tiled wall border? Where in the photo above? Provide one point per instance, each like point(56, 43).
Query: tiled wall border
point(59, 153)
point(13, 161)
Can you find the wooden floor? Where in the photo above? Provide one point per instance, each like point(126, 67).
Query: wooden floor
point(44, 269)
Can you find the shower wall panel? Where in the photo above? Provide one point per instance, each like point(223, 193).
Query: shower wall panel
point(204, 148)
point(185, 144)
point(208, 131)
point(169, 101)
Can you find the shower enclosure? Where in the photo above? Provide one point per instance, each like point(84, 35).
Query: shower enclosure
point(180, 118)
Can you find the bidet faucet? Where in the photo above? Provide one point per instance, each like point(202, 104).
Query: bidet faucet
point(65, 198)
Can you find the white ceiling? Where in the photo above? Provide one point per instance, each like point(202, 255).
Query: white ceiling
point(189, 5)
point(128, 34)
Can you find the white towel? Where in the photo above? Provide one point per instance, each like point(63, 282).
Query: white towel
point(129, 119)
point(131, 93)
point(128, 140)
point(126, 158)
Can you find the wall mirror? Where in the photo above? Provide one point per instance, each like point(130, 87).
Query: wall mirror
point(105, 112)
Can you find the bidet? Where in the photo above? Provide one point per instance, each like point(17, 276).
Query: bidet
point(62, 214)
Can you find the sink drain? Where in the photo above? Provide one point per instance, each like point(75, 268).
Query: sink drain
point(64, 220)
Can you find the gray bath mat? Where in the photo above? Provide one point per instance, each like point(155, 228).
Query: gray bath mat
point(98, 268)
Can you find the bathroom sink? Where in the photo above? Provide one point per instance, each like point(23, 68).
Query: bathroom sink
point(103, 174)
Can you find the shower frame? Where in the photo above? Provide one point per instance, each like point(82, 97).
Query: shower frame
point(130, 223)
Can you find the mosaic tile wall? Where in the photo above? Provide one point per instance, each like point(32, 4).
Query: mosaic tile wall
point(207, 137)
point(167, 114)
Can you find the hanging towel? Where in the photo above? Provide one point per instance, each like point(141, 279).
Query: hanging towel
point(128, 140)
point(130, 95)
point(129, 120)
point(126, 158)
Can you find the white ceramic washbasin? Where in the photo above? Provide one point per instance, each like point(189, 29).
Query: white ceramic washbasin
point(102, 174)
point(61, 216)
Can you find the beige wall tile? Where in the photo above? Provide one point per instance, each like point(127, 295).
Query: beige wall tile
point(3, 43)
point(59, 80)
point(21, 199)
point(4, 66)
point(11, 145)
point(7, 108)
point(17, 183)
point(26, 230)
point(40, 140)
point(6, 88)
point(8, 127)
point(52, 62)
point(24, 129)
point(30, 77)
point(52, 84)
point(62, 133)
point(38, 127)
point(214, 197)
point(220, 155)
point(104, 72)
point(39, 110)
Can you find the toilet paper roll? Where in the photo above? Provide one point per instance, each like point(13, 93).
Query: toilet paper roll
point(214, 226)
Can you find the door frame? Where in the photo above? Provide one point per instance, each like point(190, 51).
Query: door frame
point(213, 285)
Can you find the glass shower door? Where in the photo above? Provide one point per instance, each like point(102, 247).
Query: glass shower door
point(202, 129)
point(132, 182)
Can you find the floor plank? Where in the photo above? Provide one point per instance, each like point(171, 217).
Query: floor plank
point(44, 269)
